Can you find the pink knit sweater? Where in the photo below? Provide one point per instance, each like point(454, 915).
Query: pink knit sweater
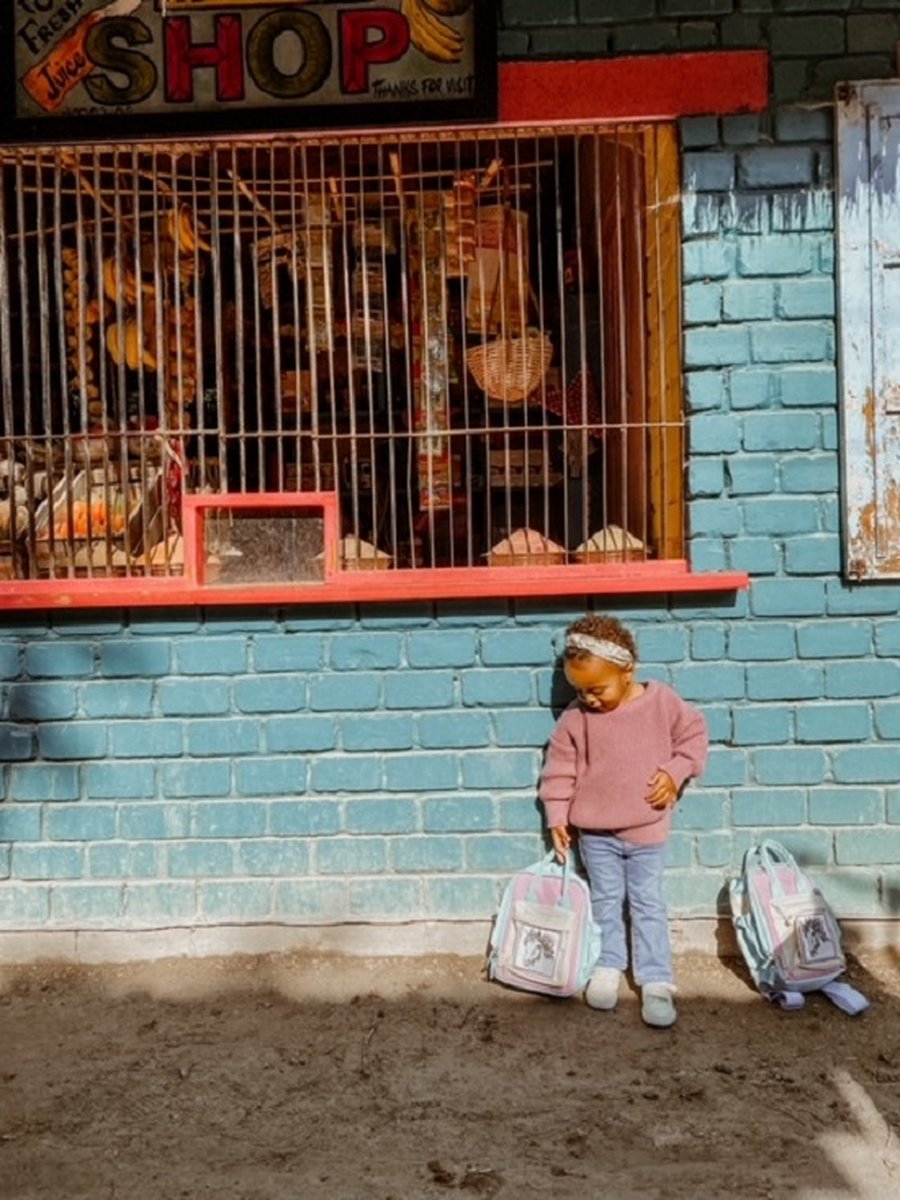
point(599, 764)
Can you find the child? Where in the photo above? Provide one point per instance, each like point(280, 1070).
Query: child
point(617, 760)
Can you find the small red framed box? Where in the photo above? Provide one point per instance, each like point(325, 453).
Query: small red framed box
point(235, 541)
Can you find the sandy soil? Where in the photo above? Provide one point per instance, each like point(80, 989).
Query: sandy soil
point(407, 1079)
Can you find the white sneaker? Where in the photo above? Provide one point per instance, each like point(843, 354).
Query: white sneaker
point(602, 990)
point(658, 1005)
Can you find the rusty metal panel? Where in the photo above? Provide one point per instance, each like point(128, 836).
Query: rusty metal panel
point(868, 143)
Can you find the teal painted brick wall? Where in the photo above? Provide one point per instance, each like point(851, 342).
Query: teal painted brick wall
point(379, 763)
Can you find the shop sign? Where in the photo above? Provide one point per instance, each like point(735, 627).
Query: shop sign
point(236, 65)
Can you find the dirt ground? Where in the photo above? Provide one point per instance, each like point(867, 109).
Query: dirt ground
point(295, 1076)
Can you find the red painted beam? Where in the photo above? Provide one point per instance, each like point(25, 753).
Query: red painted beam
point(642, 87)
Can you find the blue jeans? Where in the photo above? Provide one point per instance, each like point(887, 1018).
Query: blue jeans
point(623, 874)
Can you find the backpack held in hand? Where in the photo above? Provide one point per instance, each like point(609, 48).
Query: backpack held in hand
point(788, 935)
point(544, 938)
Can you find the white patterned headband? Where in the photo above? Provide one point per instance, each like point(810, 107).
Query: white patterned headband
point(600, 648)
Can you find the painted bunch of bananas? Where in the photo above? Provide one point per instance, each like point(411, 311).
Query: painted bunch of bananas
point(429, 33)
point(183, 232)
point(81, 316)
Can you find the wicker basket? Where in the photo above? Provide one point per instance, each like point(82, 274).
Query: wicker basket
point(511, 368)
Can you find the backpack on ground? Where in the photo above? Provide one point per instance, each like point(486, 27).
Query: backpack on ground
point(786, 932)
point(544, 938)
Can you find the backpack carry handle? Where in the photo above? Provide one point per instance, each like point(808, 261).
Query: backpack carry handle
point(550, 866)
point(766, 856)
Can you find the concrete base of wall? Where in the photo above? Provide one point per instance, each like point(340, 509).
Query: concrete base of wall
point(702, 935)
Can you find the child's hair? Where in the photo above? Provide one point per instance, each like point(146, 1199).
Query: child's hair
point(602, 629)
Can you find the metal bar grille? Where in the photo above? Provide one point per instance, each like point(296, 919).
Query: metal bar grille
point(469, 337)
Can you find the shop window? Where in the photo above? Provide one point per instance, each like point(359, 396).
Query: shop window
point(469, 340)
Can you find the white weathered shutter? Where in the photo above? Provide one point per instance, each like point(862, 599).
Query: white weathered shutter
point(868, 226)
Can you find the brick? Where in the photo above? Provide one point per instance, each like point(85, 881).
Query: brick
point(196, 779)
point(709, 259)
point(159, 821)
point(77, 740)
point(763, 725)
point(846, 806)
point(265, 694)
point(47, 862)
point(767, 641)
point(781, 517)
point(119, 698)
point(533, 12)
point(799, 298)
point(710, 681)
point(449, 814)
point(867, 764)
point(86, 904)
point(702, 303)
point(867, 847)
point(806, 211)
point(775, 254)
point(351, 856)
point(419, 689)
point(748, 300)
point(816, 555)
point(502, 852)
point(311, 900)
point(304, 818)
point(776, 167)
point(500, 648)
point(274, 856)
point(690, 892)
point(786, 681)
point(459, 729)
point(344, 693)
point(222, 621)
point(693, 131)
point(461, 897)
point(833, 723)
point(448, 648)
point(858, 679)
point(381, 815)
point(212, 656)
point(725, 768)
point(713, 346)
point(803, 125)
point(146, 739)
point(709, 554)
point(188, 698)
point(142, 659)
point(701, 811)
point(291, 653)
point(79, 822)
point(123, 860)
point(715, 850)
point(809, 473)
point(422, 772)
point(887, 638)
point(41, 701)
point(769, 807)
point(806, 37)
point(24, 904)
point(787, 598)
point(17, 743)
point(57, 659)
point(860, 601)
point(238, 819)
point(270, 776)
point(119, 780)
point(707, 171)
point(517, 814)
point(507, 769)
point(431, 853)
point(365, 651)
point(299, 734)
point(661, 643)
point(715, 434)
point(347, 773)
point(741, 129)
point(386, 899)
point(20, 823)
point(522, 728)
point(237, 900)
point(808, 386)
point(196, 860)
point(496, 688)
point(217, 738)
point(722, 518)
point(792, 341)
point(887, 721)
point(378, 732)
point(789, 765)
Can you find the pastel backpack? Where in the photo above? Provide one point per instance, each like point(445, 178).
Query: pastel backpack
point(544, 937)
point(786, 932)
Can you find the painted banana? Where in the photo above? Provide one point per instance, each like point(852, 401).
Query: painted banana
point(428, 33)
point(120, 281)
point(181, 229)
point(123, 341)
point(448, 8)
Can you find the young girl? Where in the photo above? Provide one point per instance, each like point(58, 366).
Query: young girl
point(616, 763)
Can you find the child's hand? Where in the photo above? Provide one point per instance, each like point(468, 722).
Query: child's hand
point(661, 790)
point(562, 840)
